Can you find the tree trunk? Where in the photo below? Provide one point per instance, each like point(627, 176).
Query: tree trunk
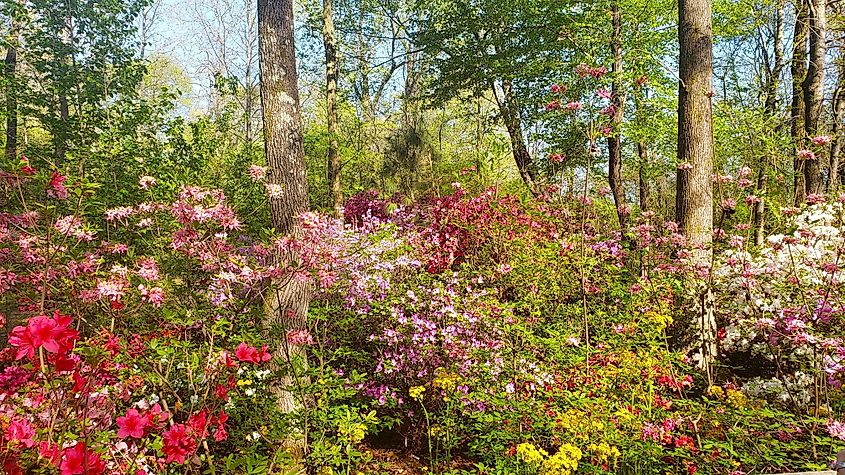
point(814, 91)
point(758, 213)
point(331, 108)
point(838, 114)
point(614, 142)
point(836, 131)
point(288, 307)
point(60, 133)
point(509, 109)
point(11, 99)
point(645, 186)
point(694, 198)
point(797, 110)
point(694, 201)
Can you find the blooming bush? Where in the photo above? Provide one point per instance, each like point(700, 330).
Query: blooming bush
point(486, 334)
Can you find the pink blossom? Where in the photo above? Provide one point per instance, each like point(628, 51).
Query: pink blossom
point(815, 198)
point(820, 140)
point(299, 337)
point(275, 190)
point(148, 268)
point(146, 182)
point(119, 213)
point(806, 155)
point(836, 429)
point(152, 295)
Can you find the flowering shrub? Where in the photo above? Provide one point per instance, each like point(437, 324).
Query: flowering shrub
point(136, 347)
point(523, 337)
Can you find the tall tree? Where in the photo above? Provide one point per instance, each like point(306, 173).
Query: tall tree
point(614, 142)
point(489, 45)
point(798, 68)
point(838, 115)
point(288, 307)
point(331, 107)
point(814, 90)
point(773, 71)
point(694, 193)
point(510, 112)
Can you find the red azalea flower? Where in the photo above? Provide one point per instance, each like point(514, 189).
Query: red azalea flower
point(220, 433)
point(264, 355)
point(57, 186)
point(79, 382)
point(199, 423)
point(20, 431)
point(132, 425)
point(53, 334)
point(26, 168)
point(156, 418)
point(49, 451)
point(227, 360)
point(247, 353)
point(78, 460)
point(221, 392)
point(179, 443)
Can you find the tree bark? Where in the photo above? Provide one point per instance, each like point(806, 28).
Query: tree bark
point(288, 307)
point(838, 114)
point(694, 201)
point(645, 186)
point(694, 198)
point(758, 212)
point(614, 142)
point(509, 109)
point(333, 165)
point(798, 69)
point(60, 133)
point(11, 62)
point(814, 91)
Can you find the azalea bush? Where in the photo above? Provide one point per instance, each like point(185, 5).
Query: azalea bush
point(484, 333)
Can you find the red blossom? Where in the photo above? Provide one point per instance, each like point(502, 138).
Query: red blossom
point(250, 354)
point(20, 431)
point(57, 187)
point(78, 460)
point(53, 334)
point(179, 443)
point(133, 424)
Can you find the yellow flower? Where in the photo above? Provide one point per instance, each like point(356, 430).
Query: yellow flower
point(716, 391)
point(604, 452)
point(736, 398)
point(416, 392)
point(661, 321)
point(530, 455)
point(564, 462)
point(444, 379)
